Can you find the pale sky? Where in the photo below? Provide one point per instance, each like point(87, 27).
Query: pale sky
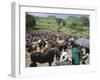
point(58, 15)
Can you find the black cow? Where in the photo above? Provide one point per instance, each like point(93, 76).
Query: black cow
point(43, 57)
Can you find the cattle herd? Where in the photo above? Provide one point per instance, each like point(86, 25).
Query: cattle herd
point(45, 46)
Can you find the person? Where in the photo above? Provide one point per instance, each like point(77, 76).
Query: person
point(84, 59)
point(75, 53)
point(64, 58)
point(69, 51)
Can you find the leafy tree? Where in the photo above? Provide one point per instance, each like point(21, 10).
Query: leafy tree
point(72, 21)
point(30, 21)
point(84, 21)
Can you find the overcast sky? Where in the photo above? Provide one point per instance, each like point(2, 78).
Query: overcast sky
point(58, 15)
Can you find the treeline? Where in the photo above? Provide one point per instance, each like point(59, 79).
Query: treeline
point(71, 21)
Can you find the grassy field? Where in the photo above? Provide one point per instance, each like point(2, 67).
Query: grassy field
point(50, 25)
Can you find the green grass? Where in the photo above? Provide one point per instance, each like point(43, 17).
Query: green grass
point(75, 30)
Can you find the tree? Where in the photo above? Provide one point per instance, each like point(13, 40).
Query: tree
point(72, 21)
point(30, 21)
point(60, 22)
point(84, 21)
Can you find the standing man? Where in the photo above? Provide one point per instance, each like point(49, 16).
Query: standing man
point(75, 53)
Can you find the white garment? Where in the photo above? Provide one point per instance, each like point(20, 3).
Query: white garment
point(64, 56)
point(39, 40)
